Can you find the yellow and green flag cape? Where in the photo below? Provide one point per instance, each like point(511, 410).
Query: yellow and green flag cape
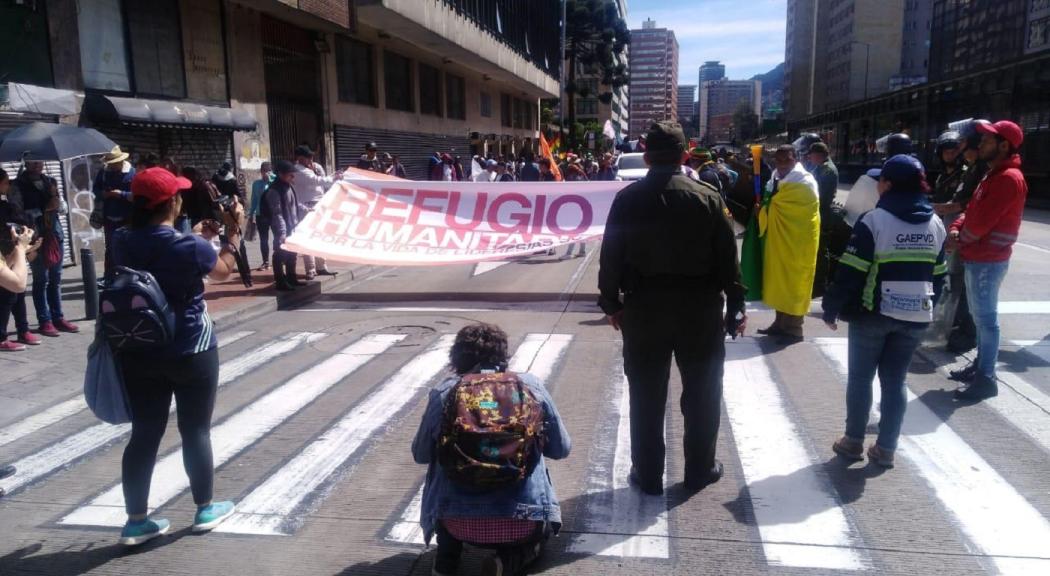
point(779, 256)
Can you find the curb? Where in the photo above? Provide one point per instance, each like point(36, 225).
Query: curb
point(285, 301)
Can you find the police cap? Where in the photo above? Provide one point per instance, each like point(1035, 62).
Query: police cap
point(665, 137)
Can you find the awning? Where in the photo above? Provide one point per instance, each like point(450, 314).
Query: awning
point(177, 114)
point(42, 100)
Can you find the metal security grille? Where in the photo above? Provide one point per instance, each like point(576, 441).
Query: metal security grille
point(293, 88)
point(414, 148)
point(532, 28)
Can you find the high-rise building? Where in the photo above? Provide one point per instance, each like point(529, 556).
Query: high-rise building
point(654, 77)
point(711, 70)
point(719, 101)
point(591, 108)
point(915, 44)
point(853, 57)
point(982, 34)
point(686, 115)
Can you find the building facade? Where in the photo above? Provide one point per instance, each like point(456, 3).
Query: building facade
point(711, 70)
point(800, 40)
point(654, 77)
point(719, 101)
point(686, 113)
point(915, 44)
point(980, 34)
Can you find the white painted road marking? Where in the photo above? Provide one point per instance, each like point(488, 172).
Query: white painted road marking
point(631, 512)
point(995, 518)
point(799, 517)
point(1032, 247)
point(227, 339)
point(266, 509)
point(1011, 307)
point(1038, 348)
point(63, 410)
point(483, 267)
point(239, 430)
point(77, 445)
point(538, 354)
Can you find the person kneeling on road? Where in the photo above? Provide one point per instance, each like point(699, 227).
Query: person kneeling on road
point(485, 435)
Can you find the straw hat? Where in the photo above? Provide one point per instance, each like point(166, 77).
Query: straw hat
point(115, 155)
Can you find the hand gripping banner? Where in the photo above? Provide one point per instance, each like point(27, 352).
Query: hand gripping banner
point(376, 219)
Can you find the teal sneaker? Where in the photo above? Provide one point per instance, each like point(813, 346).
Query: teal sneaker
point(135, 533)
point(212, 515)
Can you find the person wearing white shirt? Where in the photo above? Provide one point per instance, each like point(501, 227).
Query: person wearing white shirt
point(310, 184)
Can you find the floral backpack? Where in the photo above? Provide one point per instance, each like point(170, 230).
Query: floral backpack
point(492, 433)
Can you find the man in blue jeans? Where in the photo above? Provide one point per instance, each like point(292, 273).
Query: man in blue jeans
point(985, 235)
point(886, 286)
point(40, 204)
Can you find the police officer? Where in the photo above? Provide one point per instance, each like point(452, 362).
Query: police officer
point(834, 232)
point(669, 248)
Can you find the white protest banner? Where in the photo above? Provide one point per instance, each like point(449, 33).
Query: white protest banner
point(376, 219)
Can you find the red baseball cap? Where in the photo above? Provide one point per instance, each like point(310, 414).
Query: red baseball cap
point(158, 185)
point(1005, 129)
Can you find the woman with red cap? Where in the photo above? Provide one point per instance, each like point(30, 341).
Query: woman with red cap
point(186, 368)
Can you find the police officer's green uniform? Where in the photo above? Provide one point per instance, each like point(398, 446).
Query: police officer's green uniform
point(834, 232)
point(669, 247)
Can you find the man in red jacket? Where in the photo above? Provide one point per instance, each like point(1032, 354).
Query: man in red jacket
point(985, 235)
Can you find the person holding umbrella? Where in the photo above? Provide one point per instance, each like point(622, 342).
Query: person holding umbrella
point(113, 189)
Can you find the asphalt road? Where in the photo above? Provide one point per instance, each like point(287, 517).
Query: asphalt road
point(318, 407)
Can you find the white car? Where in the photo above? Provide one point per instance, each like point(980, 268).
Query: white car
point(631, 166)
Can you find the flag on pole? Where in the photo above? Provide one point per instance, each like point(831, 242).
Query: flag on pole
point(545, 151)
point(608, 131)
point(752, 250)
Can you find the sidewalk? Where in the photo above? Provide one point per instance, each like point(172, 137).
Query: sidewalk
point(53, 371)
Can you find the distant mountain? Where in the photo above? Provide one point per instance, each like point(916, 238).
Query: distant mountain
point(772, 81)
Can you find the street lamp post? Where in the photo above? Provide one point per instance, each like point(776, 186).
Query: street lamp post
point(867, 55)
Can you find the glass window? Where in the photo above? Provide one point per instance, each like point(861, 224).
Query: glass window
point(506, 114)
point(355, 64)
point(103, 52)
point(486, 105)
point(156, 49)
point(429, 90)
point(398, 75)
point(456, 96)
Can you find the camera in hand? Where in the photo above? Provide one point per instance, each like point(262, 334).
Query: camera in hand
point(9, 237)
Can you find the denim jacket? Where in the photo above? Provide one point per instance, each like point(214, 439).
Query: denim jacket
point(533, 499)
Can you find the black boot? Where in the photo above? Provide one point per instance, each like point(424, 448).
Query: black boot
point(713, 475)
point(981, 389)
point(966, 374)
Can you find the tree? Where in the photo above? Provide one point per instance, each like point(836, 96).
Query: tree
point(594, 36)
point(745, 123)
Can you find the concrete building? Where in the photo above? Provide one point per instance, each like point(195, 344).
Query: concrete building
point(654, 77)
point(591, 109)
point(686, 112)
point(915, 44)
point(711, 70)
point(210, 81)
point(982, 34)
point(719, 100)
point(855, 54)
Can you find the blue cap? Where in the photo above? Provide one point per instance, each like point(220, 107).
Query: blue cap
point(901, 169)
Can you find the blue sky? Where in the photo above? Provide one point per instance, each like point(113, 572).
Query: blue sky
point(746, 35)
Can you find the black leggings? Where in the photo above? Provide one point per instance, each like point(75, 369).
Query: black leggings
point(151, 382)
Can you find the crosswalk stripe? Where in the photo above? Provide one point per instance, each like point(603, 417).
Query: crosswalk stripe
point(627, 510)
point(225, 339)
point(34, 466)
point(799, 518)
point(67, 408)
point(239, 430)
point(266, 509)
point(538, 354)
point(483, 267)
point(996, 519)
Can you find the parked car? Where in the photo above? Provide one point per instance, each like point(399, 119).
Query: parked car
point(631, 166)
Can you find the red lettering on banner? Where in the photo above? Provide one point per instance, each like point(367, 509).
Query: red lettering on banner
point(453, 209)
point(384, 203)
point(521, 219)
point(585, 221)
point(419, 203)
point(537, 221)
point(358, 200)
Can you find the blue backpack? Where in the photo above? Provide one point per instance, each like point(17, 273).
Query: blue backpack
point(134, 314)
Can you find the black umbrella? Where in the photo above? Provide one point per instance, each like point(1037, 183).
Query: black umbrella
point(43, 141)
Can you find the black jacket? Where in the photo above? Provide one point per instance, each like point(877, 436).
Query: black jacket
point(667, 232)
